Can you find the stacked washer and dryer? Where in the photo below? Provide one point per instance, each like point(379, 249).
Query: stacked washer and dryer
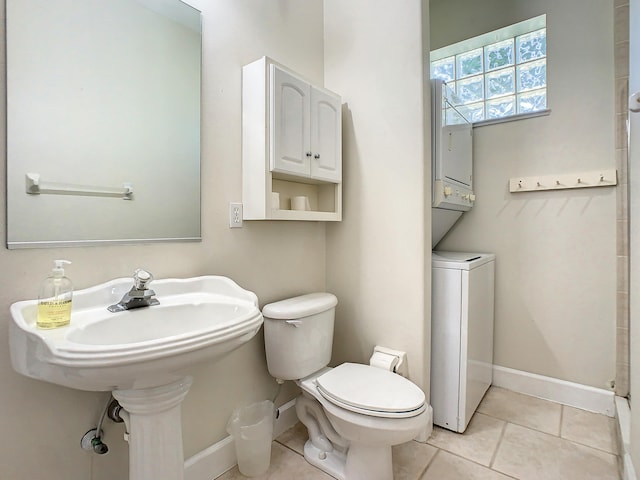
point(462, 299)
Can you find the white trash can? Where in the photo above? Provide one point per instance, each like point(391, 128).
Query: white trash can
point(252, 430)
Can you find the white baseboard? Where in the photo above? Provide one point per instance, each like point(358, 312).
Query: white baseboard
point(629, 472)
point(213, 461)
point(623, 417)
point(593, 399)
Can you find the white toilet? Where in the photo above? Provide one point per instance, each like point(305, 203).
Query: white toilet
point(354, 413)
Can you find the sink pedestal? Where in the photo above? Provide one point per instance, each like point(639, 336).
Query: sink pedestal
point(155, 430)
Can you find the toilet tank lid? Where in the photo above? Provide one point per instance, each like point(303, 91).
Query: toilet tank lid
point(300, 307)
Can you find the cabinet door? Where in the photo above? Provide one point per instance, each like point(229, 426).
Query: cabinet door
point(326, 135)
point(290, 133)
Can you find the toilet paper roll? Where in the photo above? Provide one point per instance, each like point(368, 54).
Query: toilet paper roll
point(384, 361)
point(300, 203)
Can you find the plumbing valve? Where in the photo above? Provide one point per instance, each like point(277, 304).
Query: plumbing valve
point(92, 441)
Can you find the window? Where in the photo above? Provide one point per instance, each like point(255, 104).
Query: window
point(498, 74)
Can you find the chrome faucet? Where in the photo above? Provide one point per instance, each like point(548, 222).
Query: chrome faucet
point(139, 295)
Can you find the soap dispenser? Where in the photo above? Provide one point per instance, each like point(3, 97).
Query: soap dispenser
point(54, 299)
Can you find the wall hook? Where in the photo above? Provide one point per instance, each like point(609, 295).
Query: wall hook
point(596, 178)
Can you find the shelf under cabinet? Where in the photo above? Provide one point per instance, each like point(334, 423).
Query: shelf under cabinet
point(325, 200)
point(307, 215)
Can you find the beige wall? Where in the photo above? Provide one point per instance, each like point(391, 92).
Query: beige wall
point(556, 251)
point(374, 55)
point(42, 424)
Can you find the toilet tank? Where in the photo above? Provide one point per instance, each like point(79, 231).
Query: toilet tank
point(298, 335)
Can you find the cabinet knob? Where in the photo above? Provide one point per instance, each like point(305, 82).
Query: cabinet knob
point(309, 154)
point(316, 156)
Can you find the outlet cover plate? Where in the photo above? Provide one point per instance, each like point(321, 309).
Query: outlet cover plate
point(235, 215)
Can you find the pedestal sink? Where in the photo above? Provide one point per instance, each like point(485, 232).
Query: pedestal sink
point(140, 355)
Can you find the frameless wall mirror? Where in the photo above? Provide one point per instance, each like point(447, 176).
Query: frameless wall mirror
point(103, 122)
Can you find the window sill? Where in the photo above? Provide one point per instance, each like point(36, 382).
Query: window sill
point(512, 118)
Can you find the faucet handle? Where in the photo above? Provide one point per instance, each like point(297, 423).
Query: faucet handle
point(141, 278)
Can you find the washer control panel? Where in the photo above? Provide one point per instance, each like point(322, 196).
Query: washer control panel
point(451, 196)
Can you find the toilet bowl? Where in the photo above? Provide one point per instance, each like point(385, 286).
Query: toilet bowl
point(368, 434)
point(354, 413)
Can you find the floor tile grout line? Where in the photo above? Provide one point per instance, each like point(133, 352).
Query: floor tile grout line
point(289, 448)
point(515, 423)
point(506, 423)
point(562, 415)
point(565, 439)
point(590, 447)
point(475, 463)
point(426, 468)
point(552, 436)
point(275, 440)
point(576, 442)
point(420, 474)
point(495, 452)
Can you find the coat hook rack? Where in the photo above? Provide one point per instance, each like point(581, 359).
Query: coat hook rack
point(598, 178)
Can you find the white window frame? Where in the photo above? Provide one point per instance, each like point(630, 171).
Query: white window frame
point(480, 42)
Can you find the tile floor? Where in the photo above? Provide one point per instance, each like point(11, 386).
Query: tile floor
point(511, 436)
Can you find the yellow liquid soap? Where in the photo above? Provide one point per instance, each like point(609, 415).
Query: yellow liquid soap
point(54, 313)
point(54, 299)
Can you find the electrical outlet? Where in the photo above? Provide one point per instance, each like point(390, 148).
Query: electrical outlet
point(235, 215)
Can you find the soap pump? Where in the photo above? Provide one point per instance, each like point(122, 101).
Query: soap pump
point(54, 299)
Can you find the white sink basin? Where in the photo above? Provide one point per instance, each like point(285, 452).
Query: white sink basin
point(198, 319)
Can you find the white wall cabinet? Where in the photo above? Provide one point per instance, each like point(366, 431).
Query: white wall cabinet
point(306, 128)
point(292, 145)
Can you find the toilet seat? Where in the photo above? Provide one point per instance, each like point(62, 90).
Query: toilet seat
point(371, 391)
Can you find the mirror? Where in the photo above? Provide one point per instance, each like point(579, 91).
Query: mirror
point(103, 122)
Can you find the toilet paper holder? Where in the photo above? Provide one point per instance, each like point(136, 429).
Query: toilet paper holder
point(389, 359)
